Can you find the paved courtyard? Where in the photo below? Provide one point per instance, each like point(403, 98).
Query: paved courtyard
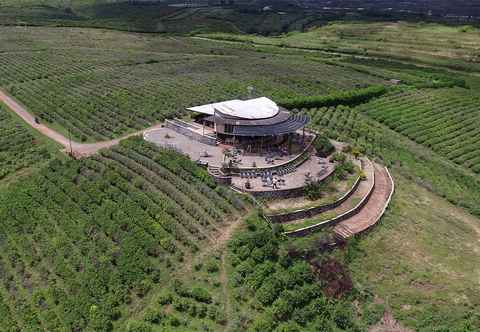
point(315, 168)
point(213, 155)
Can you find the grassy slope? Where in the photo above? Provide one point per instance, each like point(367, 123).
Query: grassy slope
point(418, 263)
point(421, 260)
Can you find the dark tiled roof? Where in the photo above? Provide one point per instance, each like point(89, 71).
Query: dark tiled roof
point(292, 124)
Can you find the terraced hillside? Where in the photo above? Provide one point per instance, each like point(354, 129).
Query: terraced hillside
point(101, 84)
point(82, 243)
point(399, 153)
point(446, 120)
point(20, 147)
point(438, 45)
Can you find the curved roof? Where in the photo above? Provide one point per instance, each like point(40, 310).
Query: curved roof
point(220, 118)
point(253, 109)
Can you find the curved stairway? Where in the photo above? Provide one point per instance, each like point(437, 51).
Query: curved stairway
point(371, 213)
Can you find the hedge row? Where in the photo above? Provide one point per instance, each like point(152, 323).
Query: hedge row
point(348, 98)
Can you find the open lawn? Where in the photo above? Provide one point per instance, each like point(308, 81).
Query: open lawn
point(421, 262)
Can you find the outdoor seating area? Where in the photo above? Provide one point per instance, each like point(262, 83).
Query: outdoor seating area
point(218, 155)
point(283, 178)
point(256, 144)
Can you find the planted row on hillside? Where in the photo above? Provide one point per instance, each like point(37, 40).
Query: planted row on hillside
point(19, 149)
point(83, 239)
point(428, 169)
point(98, 94)
point(446, 120)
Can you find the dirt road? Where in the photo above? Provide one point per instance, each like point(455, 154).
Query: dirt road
point(79, 150)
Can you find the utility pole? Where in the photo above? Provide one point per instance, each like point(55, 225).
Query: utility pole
point(70, 141)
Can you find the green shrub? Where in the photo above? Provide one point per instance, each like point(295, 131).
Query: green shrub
point(315, 190)
point(165, 298)
point(153, 316)
point(373, 313)
point(339, 157)
point(201, 295)
point(212, 266)
point(348, 98)
point(137, 326)
point(323, 146)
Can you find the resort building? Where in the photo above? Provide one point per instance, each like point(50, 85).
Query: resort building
point(256, 122)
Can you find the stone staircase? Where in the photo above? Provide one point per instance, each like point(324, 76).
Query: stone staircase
point(372, 211)
point(342, 232)
point(215, 171)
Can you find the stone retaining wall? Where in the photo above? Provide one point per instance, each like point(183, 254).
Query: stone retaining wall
point(313, 211)
point(331, 222)
point(222, 180)
point(190, 133)
point(387, 203)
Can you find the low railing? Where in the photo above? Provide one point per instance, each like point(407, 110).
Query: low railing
point(315, 210)
point(184, 128)
point(331, 222)
point(387, 203)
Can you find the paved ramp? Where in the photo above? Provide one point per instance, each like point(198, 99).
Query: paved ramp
point(373, 210)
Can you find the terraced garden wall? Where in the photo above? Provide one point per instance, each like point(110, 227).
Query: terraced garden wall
point(331, 222)
point(313, 211)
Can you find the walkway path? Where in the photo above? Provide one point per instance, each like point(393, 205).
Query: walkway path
point(373, 210)
point(79, 150)
point(360, 194)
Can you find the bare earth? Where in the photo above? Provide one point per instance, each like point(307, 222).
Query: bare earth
point(388, 324)
point(79, 150)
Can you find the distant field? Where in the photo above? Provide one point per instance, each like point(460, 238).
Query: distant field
point(453, 47)
point(100, 84)
point(446, 120)
point(156, 16)
point(21, 148)
point(84, 240)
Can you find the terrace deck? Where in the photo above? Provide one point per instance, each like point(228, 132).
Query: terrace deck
point(168, 138)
